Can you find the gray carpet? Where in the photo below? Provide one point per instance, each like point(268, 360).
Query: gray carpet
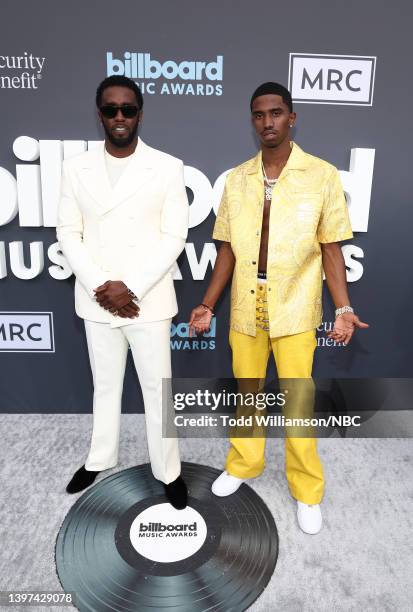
point(360, 561)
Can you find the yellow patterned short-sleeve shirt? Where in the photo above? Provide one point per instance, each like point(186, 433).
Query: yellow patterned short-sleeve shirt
point(308, 208)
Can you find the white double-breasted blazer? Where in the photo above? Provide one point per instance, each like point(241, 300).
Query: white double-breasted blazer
point(133, 232)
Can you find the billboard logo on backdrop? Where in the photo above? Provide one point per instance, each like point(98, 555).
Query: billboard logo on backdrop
point(181, 340)
point(20, 71)
point(26, 332)
point(33, 194)
point(332, 79)
point(168, 77)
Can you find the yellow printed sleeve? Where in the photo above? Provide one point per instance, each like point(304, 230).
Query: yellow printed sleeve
point(334, 224)
point(221, 227)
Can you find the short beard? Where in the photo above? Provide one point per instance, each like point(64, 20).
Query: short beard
point(121, 143)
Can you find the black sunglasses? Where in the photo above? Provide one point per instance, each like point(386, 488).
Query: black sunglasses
point(111, 110)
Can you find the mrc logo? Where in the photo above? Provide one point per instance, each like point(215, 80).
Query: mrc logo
point(332, 79)
point(26, 332)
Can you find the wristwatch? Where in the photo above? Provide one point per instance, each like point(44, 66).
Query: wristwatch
point(133, 296)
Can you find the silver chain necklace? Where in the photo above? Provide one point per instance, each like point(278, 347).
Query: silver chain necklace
point(268, 184)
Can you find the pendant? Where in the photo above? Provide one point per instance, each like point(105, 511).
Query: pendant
point(268, 193)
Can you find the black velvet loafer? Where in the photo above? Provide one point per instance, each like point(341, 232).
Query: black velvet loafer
point(81, 480)
point(177, 493)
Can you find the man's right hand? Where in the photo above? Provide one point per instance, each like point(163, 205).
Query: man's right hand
point(114, 297)
point(129, 311)
point(200, 320)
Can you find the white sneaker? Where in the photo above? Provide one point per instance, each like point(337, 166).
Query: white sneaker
point(309, 517)
point(226, 484)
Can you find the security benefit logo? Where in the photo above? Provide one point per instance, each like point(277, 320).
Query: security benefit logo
point(26, 332)
point(21, 71)
point(182, 341)
point(169, 77)
point(332, 79)
point(162, 534)
point(322, 335)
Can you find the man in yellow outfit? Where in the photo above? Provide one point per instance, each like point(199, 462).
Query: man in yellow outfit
point(281, 218)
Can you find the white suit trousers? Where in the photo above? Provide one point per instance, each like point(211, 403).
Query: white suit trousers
point(108, 350)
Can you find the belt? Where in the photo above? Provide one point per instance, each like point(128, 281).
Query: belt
point(261, 307)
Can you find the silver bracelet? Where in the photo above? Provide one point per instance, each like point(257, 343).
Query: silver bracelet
point(343, 309)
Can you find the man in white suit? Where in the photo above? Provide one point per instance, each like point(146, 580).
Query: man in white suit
point(123, 221)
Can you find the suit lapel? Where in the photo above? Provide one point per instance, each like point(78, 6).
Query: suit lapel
point(138, 171)
point(94, 176)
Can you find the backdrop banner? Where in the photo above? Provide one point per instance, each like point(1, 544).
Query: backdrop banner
point(197, 66)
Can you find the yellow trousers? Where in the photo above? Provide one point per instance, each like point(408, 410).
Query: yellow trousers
point(294, 359)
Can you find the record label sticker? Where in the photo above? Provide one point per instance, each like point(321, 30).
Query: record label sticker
point(165, 535)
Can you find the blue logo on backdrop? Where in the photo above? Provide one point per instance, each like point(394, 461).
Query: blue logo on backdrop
point(168, 77)
point(181, 341)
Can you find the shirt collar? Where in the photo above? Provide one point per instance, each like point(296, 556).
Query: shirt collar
point(298, 160)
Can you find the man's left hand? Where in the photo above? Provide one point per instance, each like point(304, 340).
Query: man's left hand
point(345, 326)
point(112, 295)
